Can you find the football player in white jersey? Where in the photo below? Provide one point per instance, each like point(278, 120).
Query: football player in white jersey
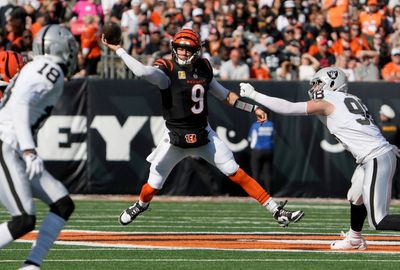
point(27, 102)
point(348, 119)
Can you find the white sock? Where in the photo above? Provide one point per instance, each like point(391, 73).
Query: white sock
point(271, 205)
point(5, 235)
point(143, 204)
point(48, 233)
point(354, 234)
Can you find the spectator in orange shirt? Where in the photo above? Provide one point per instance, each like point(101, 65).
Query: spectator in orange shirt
point(343, 41)
point(358, 41)
point(258, 70)
point(91, 51)
point(391, 71)
point(334, 11)
point(371, 18)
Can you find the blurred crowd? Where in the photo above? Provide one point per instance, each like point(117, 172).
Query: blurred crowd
point(253, 39)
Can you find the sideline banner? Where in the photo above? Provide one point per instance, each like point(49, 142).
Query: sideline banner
point(98, 138)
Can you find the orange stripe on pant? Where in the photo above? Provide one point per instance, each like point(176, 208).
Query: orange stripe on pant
point(251, 186)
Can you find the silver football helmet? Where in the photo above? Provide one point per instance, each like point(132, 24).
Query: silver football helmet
point(57, 43)
point(327, 79)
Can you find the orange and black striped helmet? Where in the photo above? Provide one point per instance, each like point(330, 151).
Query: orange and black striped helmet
point(10, 64)
point(186, 38)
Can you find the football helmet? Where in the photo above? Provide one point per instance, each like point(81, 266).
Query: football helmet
point(327, 79)
point(10, 64)
point(57, 43)
point(189, 39)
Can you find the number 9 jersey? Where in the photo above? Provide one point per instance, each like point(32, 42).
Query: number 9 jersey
point(28, 101)
point(353, 126)
point(184, 102)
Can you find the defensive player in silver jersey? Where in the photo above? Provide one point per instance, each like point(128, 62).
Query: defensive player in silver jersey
point(27, 102)
point(348, 119)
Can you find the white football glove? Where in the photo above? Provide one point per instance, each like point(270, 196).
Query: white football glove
point(247, 90)
point(34, 164)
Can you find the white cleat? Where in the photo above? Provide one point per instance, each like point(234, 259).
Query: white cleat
point(29, 267)
point(348, 243)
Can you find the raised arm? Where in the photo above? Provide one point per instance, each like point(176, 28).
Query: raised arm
point(149, 73)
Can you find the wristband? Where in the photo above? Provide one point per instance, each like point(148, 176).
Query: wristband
point(244, 106)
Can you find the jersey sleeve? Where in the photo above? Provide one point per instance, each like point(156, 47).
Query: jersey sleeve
point(26, 93)
point(208, 67)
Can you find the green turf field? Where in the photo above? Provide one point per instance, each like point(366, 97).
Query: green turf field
point(202, 218)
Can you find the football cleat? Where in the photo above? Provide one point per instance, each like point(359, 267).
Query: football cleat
point(349, 243)
point(128, 215)
point(285, 217)
point(29, 267)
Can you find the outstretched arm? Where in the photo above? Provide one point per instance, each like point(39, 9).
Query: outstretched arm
point(149, 73)
point(283, 106)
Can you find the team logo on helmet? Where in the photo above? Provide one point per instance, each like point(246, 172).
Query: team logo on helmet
point(333, 74)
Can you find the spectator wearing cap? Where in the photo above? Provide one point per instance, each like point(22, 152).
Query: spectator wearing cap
point(271, 57)
point(130, 23)
point(371, 18)
point(334, 11)
point(391, 131)
point(323, 55)
point(387, 125)
point(391, 71)
point(292, 52)
point(198, 17)
point(235, 68)
point(290, 16)
point(342, 42)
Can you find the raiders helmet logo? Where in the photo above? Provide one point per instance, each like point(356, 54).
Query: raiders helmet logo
point(333, 74)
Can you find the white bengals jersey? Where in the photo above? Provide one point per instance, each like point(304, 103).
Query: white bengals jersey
point(29, 101)
point(353, 126)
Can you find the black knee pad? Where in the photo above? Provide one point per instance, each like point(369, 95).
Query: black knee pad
point(20, 225)
point(63, 207)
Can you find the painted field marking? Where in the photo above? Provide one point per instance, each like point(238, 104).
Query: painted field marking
point(218, 241)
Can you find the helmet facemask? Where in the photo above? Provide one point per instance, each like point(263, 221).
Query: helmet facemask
point(316, 91)
point(189, 40)
point(195, 53)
